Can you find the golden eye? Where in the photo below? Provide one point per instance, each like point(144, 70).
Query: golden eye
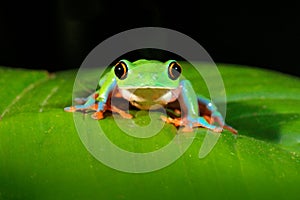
point(121, 70)
point(174, 70)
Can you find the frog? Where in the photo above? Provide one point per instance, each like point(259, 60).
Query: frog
point(149, 85)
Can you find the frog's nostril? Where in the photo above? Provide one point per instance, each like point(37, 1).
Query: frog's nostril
point(154, 76)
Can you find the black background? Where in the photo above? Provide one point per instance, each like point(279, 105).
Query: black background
point(58, 35)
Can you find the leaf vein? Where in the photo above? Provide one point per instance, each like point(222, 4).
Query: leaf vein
point(21, 95)
point(45, 101)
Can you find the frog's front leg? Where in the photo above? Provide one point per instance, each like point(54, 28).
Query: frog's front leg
point(190, 111)
point(98, 101)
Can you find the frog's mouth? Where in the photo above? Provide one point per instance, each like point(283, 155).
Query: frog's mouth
point(146, 97)
point(143, 94)
point(150, 93)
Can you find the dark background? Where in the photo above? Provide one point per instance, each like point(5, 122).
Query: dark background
point(58, 35)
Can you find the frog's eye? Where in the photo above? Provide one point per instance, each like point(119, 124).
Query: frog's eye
point(174, 70)
point(121, 70)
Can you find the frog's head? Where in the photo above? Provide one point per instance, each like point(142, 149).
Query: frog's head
point(148, 74)
point(146, 83)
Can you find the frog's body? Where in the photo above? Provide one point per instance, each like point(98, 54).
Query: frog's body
point(150, 84)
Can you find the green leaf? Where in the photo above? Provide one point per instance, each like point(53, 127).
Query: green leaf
point(42, 156)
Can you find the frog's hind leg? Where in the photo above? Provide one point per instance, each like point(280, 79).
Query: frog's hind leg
point(118, 104)
point(217, 118)
point(189, 124)
point(210, 113)
point(89, 103)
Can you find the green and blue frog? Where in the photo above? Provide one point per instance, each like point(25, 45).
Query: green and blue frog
point(150, 84)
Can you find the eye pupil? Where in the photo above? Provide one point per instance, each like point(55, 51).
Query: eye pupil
point(174, 70)
point(121, 70)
